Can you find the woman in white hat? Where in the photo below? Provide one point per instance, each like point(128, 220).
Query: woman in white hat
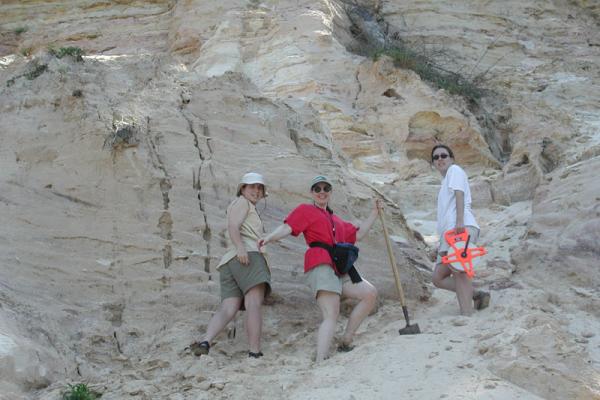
point(245, 277)
point(319, 224)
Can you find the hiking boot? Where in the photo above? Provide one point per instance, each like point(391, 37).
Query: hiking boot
point(481, 300)
point(200, 348)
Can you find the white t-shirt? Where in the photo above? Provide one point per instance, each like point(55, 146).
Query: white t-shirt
point(455, 179)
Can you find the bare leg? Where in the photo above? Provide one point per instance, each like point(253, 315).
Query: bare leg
point(229, 307)
point(253, 301)
point(367, 294)
point(444, 278)
point(329, 303)
point(464, 293)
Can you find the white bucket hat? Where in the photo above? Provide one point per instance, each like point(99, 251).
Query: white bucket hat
point(249, 179)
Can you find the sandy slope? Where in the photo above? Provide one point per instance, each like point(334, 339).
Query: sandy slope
point(273, 85)
point(454, 357)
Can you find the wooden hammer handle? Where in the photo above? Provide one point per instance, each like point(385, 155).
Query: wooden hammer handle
point(392, 259)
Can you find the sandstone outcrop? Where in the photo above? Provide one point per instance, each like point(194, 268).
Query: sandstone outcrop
point(117, 169)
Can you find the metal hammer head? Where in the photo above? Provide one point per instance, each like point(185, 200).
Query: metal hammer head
point(410, 330)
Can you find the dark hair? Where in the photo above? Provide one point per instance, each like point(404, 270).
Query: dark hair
point(441, 146)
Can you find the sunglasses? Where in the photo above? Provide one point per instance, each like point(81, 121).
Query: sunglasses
point(259, 185)
point(326, 189)
point(438, 156)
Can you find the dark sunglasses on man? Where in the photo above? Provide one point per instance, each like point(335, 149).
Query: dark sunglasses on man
point(438, 156)
point(326, 189)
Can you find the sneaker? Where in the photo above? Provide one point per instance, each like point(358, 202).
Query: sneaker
point(200, 348)
point(344, 347)
point(255, 355)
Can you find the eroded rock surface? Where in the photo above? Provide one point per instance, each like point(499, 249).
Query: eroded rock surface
point(117, 169)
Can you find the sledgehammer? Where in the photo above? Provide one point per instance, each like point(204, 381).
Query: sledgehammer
point(408, 329)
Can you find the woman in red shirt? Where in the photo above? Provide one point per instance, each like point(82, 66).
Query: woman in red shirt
point(318, 223)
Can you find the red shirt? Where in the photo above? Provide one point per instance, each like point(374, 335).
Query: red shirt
point(315, 224)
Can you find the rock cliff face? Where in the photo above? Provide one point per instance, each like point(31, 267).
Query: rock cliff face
point(117, 168)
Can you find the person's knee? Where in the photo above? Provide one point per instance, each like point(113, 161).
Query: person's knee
point(254, 298)
point(436, 280)
point(330, 314)
point(370, 295)
point(253, 303)
point(330, 307)
point(230, 309)
point(437, 277)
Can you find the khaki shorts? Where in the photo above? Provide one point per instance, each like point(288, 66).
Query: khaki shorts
point(444, 246)
point(323, 277)
point(236, 279)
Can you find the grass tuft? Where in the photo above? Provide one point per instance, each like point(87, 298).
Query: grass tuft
point(26, 51)
point(123, 136)
point(20, 30)
point(75, 52)
point(80, 392)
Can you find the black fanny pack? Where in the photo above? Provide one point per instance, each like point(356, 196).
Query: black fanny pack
point(344, 256)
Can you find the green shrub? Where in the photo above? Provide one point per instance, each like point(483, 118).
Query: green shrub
point(80, 392)
point(26, 51)
point(20, 30)
point(452, 82)
point(36, 70)
point(75, 52)
point(125, 135)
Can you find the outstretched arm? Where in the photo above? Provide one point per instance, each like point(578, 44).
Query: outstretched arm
point(279, 233)
point(368, 223)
